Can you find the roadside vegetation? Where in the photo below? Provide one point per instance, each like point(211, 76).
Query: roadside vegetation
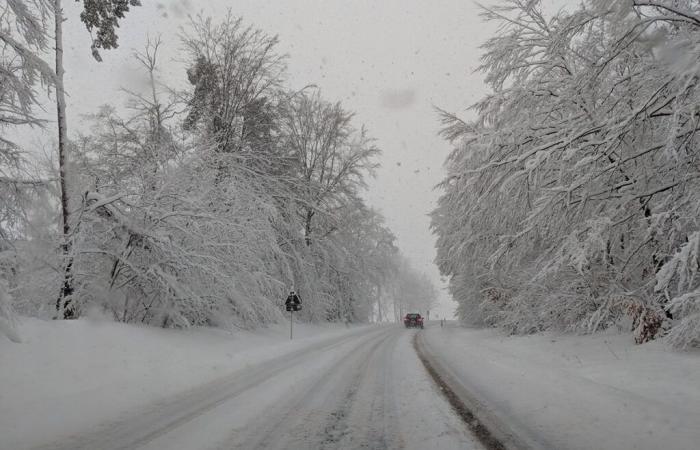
point(572, 199)
point(179, 207)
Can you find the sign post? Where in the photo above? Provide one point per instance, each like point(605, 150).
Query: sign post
point(292, 304)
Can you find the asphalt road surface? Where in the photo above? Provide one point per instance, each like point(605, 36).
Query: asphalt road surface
point(366, 390)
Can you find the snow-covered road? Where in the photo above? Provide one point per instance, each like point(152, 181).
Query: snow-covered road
point(364, 389)
point(94, 385)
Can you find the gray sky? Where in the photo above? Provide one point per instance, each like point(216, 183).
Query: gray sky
point(388, 60)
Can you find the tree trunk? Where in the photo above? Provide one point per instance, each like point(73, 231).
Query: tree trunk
point(63, 304)
point(307, 226)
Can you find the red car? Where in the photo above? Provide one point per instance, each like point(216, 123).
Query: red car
point(413, 320)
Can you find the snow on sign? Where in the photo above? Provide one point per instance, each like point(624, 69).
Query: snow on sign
point(293, 303)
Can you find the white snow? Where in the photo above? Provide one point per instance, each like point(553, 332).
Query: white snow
point(579, 392)
point(423, 408)
point(67, 380)
point(69, 376)
point(367, 392)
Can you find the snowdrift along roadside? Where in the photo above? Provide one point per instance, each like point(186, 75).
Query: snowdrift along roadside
point(578, 392)
point(67, 376)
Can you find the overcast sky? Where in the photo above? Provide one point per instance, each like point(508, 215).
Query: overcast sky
point(390, 61)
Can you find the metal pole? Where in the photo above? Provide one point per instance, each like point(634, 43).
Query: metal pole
point(291, 323)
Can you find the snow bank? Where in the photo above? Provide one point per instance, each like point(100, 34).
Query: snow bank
point(579, 392)
point(71, 375)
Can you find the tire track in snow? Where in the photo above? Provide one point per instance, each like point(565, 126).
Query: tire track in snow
point(337, 429)
point(294, 423)
point(136, 430)
point(343, 407)
point(366, 402)
point(489, 435)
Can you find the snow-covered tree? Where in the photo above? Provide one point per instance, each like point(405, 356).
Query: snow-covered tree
point(411, 290)
point(330, 158)
point(23, 39)
point(191, 209)
point(576, 185)
point(23, 75)
point(236, 72)
point(102, 17)
point(8, 327)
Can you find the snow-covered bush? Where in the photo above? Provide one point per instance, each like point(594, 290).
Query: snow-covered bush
point(679, 283)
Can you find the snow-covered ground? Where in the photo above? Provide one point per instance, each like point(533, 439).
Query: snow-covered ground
point(578, 392)
point(68, 376)
point(98, 385)
point(89, 384)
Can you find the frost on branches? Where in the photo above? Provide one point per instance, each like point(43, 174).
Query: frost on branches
point(572, 200)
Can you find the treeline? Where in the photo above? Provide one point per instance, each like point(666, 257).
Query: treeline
point(572, 200)
point(198, 206)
